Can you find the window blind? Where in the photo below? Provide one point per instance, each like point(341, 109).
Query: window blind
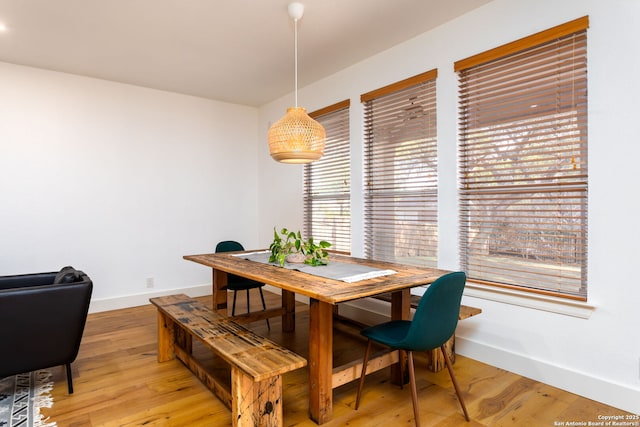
point(523, 163)
point(401, 172)
point(327, 182)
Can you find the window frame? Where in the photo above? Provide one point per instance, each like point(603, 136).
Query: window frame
point(318, 188)
point(486, 59)
point(390, 204)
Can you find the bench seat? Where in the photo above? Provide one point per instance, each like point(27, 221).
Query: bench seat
point(257, 364)
point(465, 311)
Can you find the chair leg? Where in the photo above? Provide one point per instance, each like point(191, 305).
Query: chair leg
point(363, 373)
point(69, 378)
point(264, 307)
point(233, 308)
point(401, 366)
point(453, 380)
point(414, 391)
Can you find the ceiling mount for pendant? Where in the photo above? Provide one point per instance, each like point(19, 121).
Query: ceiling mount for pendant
point(296, 137)
point(296, 10)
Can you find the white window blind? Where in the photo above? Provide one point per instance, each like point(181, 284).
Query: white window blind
point(401, 172)
point(523, 163)
point(327, 182)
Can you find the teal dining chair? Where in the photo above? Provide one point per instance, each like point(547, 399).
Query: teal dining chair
point(237, 283)
point(433, 323)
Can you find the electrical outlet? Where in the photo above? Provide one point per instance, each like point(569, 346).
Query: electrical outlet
point(150, 282)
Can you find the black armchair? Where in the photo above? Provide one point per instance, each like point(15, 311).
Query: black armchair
point(42, 318)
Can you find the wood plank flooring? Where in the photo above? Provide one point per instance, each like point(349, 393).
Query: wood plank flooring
point(118, 382)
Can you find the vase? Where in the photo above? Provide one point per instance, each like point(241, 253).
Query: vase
point(296, 258)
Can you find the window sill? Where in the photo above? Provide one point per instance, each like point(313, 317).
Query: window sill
point(563, 306)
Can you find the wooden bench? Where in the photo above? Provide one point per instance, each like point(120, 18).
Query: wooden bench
point(435, 358)
point(257, 364)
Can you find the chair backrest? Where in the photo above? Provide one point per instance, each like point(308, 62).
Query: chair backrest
point(229, 246)
point(436, 316)
point(233, 282)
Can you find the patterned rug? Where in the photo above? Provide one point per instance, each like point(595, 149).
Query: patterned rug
point(22, 396)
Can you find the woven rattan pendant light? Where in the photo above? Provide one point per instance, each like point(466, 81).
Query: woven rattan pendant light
point(296, 137)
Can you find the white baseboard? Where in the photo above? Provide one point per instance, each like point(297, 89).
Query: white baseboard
point(134, 300)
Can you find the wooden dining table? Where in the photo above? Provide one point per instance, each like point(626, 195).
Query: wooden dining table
point(324, 294)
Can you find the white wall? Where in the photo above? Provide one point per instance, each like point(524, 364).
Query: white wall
point(598, 357)
point(120, 181)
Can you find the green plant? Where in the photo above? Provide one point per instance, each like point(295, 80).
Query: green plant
point(289, 242)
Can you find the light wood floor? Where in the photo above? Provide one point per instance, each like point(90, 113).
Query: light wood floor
point(119, 383)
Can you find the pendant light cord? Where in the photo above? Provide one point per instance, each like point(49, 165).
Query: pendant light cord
point(295, 55)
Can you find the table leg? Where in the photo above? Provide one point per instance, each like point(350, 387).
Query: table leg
point(400, 310)
point(320, 361)
point(289, 316)
point(219, 291)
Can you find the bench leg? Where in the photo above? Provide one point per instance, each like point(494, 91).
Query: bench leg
point(435, 358)
point(183, 339)
point(166, 338)
point(255, 403)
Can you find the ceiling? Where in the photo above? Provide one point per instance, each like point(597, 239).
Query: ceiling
point(238, 51)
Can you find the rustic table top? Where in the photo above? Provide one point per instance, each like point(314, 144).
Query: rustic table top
point(322, 289)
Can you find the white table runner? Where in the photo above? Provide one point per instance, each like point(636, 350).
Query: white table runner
point(335, 270)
